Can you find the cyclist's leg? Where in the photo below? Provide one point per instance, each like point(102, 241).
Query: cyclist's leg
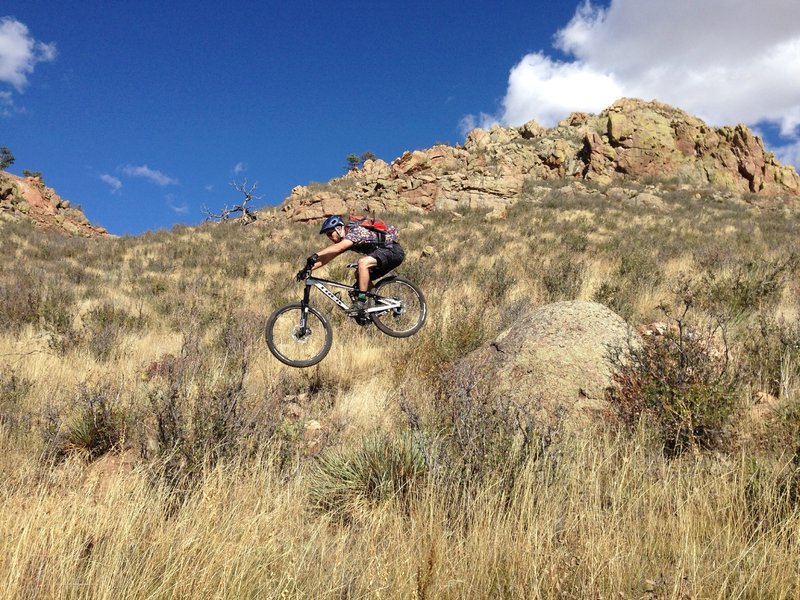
point(389, 257)
point(365, 266)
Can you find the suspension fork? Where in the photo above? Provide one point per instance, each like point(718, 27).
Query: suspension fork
point(304, 309)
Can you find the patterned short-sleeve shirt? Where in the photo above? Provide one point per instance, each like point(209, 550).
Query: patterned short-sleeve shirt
point(361, 235)
point(365, 240)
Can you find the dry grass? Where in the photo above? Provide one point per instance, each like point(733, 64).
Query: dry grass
point(602, 519)
point(205, 491)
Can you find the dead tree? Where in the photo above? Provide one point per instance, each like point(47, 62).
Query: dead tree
point(246, 215)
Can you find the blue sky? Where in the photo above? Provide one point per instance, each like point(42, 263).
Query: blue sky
point(143, 113)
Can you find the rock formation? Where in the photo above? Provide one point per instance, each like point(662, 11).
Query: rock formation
point(27, 198)
point(630, 140)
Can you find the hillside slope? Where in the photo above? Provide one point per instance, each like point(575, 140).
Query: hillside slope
point(151, 446)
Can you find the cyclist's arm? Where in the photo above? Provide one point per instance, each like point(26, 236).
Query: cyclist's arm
point(326, 255)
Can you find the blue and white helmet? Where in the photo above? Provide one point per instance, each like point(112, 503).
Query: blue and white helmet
point(331, 222)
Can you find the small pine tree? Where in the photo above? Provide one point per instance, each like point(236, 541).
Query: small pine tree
point(6, 158)
point(352, 162)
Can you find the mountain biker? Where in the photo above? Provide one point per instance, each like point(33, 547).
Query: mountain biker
point(382, 253)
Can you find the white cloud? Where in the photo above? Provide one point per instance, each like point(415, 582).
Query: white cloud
point(7, 107)
point(541, 88)
point(146, 172)
point(114, 183)
point(175, 205)
point(726, 61)
point(239, 167)
point(483, 120)
point(789, 155)
point(19, 53)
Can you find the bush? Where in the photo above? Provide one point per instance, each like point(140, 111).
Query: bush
point(21, 299)
point(193, 428)
point(104, 325)
point(97, 428)
point(748, 285)
point(562, 277)
point(13, 389)
point(681, 380)
point(771, 355)
point(639, 269)
point(378, 469)
point(94, 427)
point(484, 435)
point(193, 420)
point(616, 297)
point(444, 340)
point(56, 314)
point(497, 282)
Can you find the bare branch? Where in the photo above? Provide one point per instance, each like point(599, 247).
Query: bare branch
point(246, 215)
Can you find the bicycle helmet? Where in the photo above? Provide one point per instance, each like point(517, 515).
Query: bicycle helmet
point(331, 222)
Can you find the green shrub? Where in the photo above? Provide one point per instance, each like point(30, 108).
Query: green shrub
point(497, 281)
point(639, 269)
point(57, 312)
point(104, 325)
point(441, 341)
point(771, 354)
point(93, 426)
point(683, 382)
point(747, 285)
point(562, 277)
point(96, 428)
point(616, 297)
point(20, 298)
point(378, 469)
point(13, 389)
point(193, 420)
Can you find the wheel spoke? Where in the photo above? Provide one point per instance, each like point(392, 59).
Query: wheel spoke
point(294, 344)
point(406, 308)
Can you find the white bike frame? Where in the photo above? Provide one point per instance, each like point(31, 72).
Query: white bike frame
point(320, 284)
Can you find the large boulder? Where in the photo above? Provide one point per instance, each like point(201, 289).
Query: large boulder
point(555, 363)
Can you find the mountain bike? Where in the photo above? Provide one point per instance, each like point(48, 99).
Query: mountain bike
point(299, 335)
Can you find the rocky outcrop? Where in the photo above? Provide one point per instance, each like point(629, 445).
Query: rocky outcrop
point(555, 363)
point(27, 198)
point(630, 140)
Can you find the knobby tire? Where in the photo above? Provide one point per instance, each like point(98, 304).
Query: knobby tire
point(288, 328)
point(394, 323)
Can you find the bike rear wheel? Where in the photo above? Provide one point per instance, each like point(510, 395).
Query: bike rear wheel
point(408, 309)
point(293, 344)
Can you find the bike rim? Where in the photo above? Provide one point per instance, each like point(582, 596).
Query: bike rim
point(405, 317)
point(293, 342)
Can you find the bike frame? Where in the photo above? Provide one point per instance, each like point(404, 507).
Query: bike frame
point(320, 284)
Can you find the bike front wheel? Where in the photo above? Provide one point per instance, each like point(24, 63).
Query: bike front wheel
point(406, 310)
point(294, 344)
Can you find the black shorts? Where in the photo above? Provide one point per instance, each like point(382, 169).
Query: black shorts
point(388, 258)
